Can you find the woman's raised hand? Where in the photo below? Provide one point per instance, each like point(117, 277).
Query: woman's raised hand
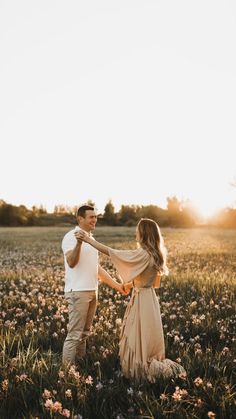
point(81, 235)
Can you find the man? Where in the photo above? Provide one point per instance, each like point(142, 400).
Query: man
point(82, 271)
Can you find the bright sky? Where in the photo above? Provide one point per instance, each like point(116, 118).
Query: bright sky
point(131, 101)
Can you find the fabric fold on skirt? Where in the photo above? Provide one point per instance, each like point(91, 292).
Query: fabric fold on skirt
point(142, 349)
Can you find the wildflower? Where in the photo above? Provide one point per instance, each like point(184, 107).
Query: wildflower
point(176, 395)
point(22, 377)
point(49, 404)
point(74, 373)
point(99, 386)
point(198, 382)
point(5, 385)
point(209, 385)
point(68, 393)
point(65, 413)
point(89, 380)
point(57, 407)
point(47, 394)
point(211, 415)
point(61, 374)
point(130, 391)
point(163, 397)
point(198, 403)
point(179, 394)
point(118, 322)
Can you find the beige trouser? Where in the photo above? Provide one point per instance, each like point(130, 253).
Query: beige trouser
point(81, 307)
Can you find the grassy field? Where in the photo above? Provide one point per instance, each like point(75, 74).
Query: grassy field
point(198, 311)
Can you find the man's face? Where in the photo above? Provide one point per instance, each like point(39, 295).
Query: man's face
point(88, 222)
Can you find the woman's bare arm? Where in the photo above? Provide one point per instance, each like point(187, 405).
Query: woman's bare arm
point(107, 279)
point(81, 235)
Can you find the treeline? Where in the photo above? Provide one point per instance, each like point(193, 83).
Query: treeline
point(12, 215)
point(177, 214)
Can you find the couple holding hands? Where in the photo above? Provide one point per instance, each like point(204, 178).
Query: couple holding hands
point(141, 347)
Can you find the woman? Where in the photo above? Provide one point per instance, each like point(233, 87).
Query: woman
point(142, 350)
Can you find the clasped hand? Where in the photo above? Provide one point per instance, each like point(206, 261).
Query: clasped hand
point(81, 236)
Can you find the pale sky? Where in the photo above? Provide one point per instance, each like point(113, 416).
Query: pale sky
point(132, 101)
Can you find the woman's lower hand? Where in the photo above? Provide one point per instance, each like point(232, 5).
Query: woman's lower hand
point(127, 287)
point(120, 288)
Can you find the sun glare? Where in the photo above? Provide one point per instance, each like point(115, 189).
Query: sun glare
point(207, 209)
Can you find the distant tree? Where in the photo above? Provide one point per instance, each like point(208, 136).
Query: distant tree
point(61, 209)
point(42, 210)
point(91, 202)
point(109, 216)
point(37, 211)
point(127, 215)
point(64, 209)
point(154, 212)
point(179, 213)
point(226, 218)
point(11, 215)
point(7, 215)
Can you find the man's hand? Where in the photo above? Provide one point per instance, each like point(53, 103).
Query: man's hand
point(127, 287)
point(122, 290)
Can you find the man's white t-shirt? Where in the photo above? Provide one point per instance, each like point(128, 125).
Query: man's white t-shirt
point(84, 276)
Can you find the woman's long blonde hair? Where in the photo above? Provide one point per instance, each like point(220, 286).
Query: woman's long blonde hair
point(150, 238)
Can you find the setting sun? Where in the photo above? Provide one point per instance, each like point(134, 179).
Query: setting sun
point(207, 209)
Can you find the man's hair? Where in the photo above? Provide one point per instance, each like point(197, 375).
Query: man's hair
point(82, 210)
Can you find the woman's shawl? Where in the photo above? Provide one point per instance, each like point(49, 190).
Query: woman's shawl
point(130, 263)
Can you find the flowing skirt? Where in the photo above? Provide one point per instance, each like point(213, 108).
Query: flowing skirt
point(142, 349)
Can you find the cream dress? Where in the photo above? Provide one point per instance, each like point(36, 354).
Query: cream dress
point(142, 349)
